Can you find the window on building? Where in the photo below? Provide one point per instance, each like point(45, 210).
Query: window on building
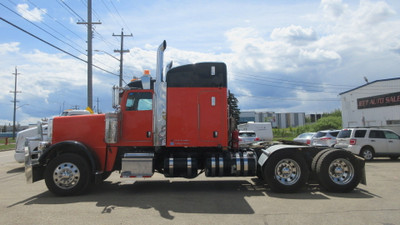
point(392, 122)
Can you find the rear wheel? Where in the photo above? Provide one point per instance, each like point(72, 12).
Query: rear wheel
point(337, 171)
point(316, 158)
point(105, 175)
point(286, 171)
point(67, 174)
point(367, 153)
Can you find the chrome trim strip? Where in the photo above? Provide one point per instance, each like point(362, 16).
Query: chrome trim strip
point(171, 166)
point(238, 167)
point(213, 166)
point(245, 164)
point(221, 166)
point(189, 166)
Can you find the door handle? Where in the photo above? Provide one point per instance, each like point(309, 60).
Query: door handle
point(372, 140)
point(148, 134)
point(390, 141)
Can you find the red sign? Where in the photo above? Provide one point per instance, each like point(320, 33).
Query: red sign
point(379, 101)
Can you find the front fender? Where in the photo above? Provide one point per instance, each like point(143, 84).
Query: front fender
point(70, 147)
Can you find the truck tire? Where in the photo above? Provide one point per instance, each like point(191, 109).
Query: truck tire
point(337, 171)
point(317, 157)
point(367, 153)
point(286, 171)
point(67, 174)
point(105, 175)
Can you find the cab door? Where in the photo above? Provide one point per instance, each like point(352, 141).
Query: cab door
point(137, 118)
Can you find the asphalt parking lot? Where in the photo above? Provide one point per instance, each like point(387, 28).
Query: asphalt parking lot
point(199, 201)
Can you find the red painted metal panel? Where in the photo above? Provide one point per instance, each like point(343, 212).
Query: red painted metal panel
point(197, 117)
point(136, 124)
point(87, 129)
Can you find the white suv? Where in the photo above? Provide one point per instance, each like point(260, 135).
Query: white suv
point(369, 142)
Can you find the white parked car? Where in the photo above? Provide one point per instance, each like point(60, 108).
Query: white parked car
point(247, 137)
point(33, 133)
point(325, 138)
point(369, 142)
point(304, 138)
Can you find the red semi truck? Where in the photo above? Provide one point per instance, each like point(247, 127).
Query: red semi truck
point(180, 127)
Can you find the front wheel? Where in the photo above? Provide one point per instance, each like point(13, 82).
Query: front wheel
point(67, 174)
point(338, 171)
point(286, 171)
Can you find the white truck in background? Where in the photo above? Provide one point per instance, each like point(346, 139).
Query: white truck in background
point(263, 129)
point(33, 133)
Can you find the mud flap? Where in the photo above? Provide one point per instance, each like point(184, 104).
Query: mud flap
point(361, 163)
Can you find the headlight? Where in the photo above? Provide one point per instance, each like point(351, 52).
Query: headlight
point(43, 145)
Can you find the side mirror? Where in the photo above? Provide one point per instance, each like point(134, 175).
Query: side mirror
point(115, 97)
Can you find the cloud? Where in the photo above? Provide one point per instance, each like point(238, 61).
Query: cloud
point(285, 66)
point(33, 15)
point(295, 35)
point(7, 48)
point(333, 9)
point(372, 13)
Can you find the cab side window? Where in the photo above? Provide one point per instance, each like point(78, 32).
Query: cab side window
point(139, 101)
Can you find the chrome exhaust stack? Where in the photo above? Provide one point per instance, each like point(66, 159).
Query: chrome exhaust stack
point(160, 101)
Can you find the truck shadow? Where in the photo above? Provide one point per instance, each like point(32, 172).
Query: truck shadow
point(165, 196)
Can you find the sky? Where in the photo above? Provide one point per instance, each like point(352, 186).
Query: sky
point(282, 56)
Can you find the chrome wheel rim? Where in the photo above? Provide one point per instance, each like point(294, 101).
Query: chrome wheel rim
point(367, 154)
point(287, 172)
point(341, 171)
point(66, 175)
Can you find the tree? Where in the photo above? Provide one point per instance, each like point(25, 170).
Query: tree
point(234, 110)
point(329, 122)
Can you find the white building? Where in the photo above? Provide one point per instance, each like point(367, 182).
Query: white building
point(375, 104)
point(285, 120)
point(279, 120)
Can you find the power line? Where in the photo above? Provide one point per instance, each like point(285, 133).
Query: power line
point(299, 88)
point(55, 20)
point(122, 19)
point(41, 28)
point(311, 84)
point(69, 9)
point(290, 99)
point(48, 43)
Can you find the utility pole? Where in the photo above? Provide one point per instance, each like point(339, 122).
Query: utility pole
point(121, 51)
point(97, 101)
point(89, 24)
point(15, 100)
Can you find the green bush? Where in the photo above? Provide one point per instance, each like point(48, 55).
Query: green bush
point(329, 121)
